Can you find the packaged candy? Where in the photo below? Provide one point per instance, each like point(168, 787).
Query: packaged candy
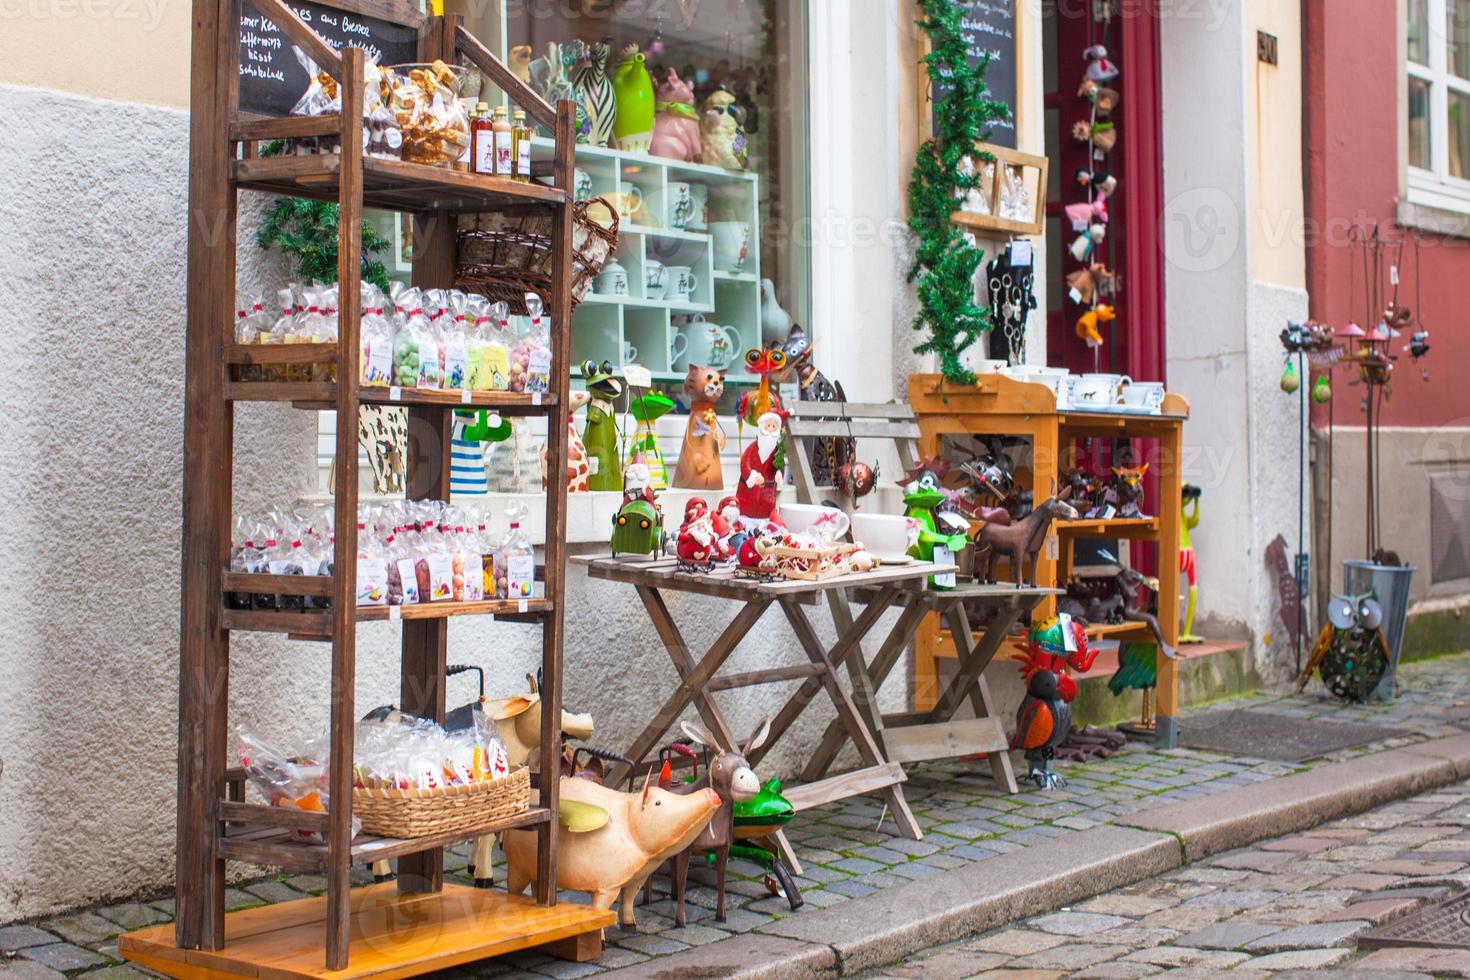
point(244, 557)
point(372, 567)
point(515, 560)
point(321, 98)
point(439, 559)
point(431, 353)
point(324, 331)
point(383, 135)
point(530, 362)
point(376, 339)
point(486, 543)
point(425, 103)
point(403, 558)
point(288, 557)
point(286, 781)
point(408, 339)
point(454, 341)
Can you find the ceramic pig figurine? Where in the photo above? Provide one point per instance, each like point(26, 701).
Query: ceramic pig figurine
point(676, 127)
point(641, 832)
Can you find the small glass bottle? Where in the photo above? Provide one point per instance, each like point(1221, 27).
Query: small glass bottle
point(521, 141)
point(482, 141)
point(504, 135)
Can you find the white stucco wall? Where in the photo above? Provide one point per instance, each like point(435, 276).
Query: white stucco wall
point(1225, 304)
point(90, 461)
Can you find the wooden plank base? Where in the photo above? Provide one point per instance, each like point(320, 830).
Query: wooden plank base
point(392, 935)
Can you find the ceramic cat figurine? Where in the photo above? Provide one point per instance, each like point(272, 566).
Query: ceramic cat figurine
point(596, 106)
point(722, 136)
point(676, 127)
point(699, 459)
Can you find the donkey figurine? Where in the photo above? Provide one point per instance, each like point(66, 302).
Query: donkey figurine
point(1020, 542)
point(731, 776)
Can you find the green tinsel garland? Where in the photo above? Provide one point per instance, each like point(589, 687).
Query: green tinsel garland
point(945, 264)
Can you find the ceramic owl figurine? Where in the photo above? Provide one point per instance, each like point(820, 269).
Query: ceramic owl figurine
point(596, 105)
point(722, 136)
point(633, 90)
point(519, 62)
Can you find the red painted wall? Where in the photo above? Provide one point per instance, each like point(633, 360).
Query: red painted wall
point(1353, 84)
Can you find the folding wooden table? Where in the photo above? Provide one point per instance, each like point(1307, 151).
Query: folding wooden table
point(699, 679)
point(916, 736)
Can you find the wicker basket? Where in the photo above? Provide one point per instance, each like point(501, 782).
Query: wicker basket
point(506, 256)
point(407, 813)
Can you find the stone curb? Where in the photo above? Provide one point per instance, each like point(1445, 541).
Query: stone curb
point(882, 928)
point(1234, 818)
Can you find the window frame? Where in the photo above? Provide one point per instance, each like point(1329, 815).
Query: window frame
point(1433, 188)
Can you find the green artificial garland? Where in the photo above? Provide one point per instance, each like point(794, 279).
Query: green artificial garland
point(945, 263)
point(306, 230)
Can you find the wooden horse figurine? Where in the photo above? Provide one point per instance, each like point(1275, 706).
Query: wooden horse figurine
point(1020, 542)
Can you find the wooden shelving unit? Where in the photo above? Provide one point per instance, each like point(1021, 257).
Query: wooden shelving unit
point(418, 924)
point(998, 405)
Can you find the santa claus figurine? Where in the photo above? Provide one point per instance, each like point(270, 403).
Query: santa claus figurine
point(698, 544)
point(638, 484)
point(761, 467)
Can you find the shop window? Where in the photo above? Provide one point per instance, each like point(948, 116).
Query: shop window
point(709, 248)
point(1437, 103)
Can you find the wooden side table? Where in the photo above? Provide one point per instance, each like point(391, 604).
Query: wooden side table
point(916, 736)
point(700, 678)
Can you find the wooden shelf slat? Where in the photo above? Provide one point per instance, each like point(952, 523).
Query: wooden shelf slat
point(391, 184)
point(446, 610)
point(1114, 527)
point(280, 353)
point(277, 843)
point(308, 624)
point(517, 402)
point(312, 585)
point(322, 395)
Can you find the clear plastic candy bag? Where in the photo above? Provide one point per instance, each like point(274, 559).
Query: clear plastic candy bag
point(321, 98)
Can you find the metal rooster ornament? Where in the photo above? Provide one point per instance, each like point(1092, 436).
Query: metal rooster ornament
point(1045, 714)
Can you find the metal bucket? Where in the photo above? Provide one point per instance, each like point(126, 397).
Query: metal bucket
point(1390, 586)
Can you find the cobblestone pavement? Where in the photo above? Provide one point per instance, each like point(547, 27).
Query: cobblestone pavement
point(849, 849)
point(1283, 906)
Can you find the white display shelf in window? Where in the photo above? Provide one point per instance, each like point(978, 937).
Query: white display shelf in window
point(641, 327)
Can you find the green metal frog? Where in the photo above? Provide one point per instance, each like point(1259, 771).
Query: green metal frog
point(941, 535)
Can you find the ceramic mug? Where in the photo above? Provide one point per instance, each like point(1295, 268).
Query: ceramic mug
point(989, 366)
point(613, 279)
point(678, 205)
point(682, 282)
point(826, 523)
point(699, 215)
point(707, 344)
point(630, 353)
point(629, 204)
point(678, 347)
point(581, 185)
point(655, 278)
point(886, 536)
point(1096, 390)
point(732, 244)
point(1145, 395)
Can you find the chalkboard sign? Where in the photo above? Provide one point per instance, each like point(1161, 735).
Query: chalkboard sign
point(990, 28)
point(272, 78)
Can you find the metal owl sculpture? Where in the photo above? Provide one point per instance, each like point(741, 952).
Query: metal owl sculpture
point(1351, 653)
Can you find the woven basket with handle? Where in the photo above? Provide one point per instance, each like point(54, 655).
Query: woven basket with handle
point(506, 256)
point(407, 813)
